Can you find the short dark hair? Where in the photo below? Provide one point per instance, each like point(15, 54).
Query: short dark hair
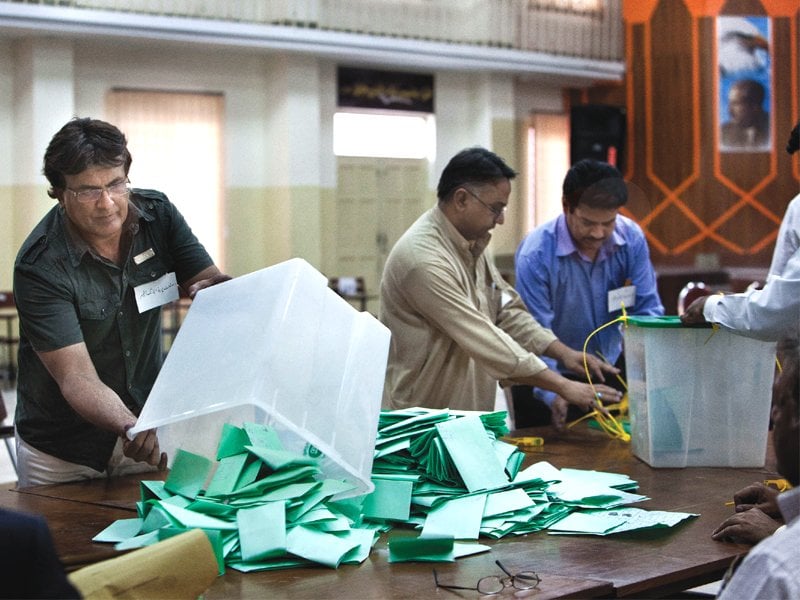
point(594, 183)
point(794, 140)
point(80, 144)
point(472, 165)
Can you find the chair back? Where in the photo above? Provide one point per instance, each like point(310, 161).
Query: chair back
point(351, 289)
point(7, 299)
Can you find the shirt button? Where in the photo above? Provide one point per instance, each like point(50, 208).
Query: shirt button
point(120, 314)
point(127, 352)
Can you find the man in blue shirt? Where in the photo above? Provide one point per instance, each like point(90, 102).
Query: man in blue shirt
point(577, 271)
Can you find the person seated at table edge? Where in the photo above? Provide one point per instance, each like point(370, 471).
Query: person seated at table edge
point(30, 567)
point(771, 569)
point(757, 513)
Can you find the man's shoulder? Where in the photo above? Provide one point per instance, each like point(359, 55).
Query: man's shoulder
point(148, 194)
point(422, 237)
point(420, 251)
point(542, 238)
point(47, 235)
point(150, 201)
point(629, 229)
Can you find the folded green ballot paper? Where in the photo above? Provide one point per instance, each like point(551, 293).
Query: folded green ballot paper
point(421, 549)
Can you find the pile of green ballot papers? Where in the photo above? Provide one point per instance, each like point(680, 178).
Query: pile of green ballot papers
point(445, 473)
point(262, 508)
point(448, 474)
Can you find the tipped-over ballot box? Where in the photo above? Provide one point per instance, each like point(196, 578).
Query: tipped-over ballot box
point(278, 347)
point(699, 397)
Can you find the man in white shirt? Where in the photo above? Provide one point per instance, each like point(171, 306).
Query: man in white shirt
point(788, 241)
point(771, 313)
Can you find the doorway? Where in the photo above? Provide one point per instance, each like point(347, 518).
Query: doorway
point(377, 199)
point(176, 143)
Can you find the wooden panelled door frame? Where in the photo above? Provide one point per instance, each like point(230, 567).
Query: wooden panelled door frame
point(377, 199)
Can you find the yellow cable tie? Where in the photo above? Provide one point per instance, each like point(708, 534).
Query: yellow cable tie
point(779, 484)
point(607, 422)
point(525, 442)
point(714, 329)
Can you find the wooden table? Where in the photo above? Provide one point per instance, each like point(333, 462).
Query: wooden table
point(632, 564)
point(72, 524)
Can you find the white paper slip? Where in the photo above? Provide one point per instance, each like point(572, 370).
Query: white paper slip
point(622, 296)
point(156, 293)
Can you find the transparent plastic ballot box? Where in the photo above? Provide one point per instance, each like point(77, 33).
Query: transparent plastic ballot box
point(699, 396)
point(277, 347)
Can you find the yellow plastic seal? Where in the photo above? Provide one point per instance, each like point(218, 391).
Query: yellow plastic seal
point(525, 443)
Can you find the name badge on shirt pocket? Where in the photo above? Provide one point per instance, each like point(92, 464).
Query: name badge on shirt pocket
point(146, 255)
point(157, 293)
point(625, 295)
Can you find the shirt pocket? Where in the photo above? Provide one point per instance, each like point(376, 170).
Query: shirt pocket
point(148, 272)
point(494, 300)
point(96, 309)
point(97, 319)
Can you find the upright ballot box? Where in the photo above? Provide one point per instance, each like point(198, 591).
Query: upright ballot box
point(699, 397)
point(278, 347)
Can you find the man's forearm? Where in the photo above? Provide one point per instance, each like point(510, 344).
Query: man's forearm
point(546, 379)
point(98, 404)
point(559, 351)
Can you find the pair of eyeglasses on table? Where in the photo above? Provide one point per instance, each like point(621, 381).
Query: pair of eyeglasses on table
point(494, 584)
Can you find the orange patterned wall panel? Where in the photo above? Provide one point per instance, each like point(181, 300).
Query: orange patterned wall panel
point(696, 199)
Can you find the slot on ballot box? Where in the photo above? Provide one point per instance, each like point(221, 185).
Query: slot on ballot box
point(277, 347)
point(699, 397)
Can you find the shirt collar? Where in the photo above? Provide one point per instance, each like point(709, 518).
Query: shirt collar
point(474, 247)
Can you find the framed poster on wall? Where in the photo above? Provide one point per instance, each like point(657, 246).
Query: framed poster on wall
point(744, 52)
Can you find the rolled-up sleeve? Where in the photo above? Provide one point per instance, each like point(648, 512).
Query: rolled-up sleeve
point(771, 313)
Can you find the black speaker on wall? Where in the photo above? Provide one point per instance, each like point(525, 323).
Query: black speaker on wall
point(597, 131)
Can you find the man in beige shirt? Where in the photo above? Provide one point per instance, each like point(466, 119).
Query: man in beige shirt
point(457, 327)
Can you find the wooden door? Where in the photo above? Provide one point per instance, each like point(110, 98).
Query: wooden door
point(376, 201)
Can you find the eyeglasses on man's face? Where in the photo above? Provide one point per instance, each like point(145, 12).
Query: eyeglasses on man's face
point(497, 212)
point(494, 584)
point(115, 191)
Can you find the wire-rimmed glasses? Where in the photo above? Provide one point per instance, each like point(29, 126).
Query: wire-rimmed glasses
point(497, 212)
point(494, 584)
point(89, 195)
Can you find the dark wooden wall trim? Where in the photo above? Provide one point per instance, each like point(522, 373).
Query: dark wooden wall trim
point(693, 199)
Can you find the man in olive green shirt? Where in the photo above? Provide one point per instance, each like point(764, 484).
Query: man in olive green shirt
point(89, 282)
point(457, 327)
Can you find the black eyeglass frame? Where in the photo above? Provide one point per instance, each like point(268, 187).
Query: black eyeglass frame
point(497, 212)
point(524, 580)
